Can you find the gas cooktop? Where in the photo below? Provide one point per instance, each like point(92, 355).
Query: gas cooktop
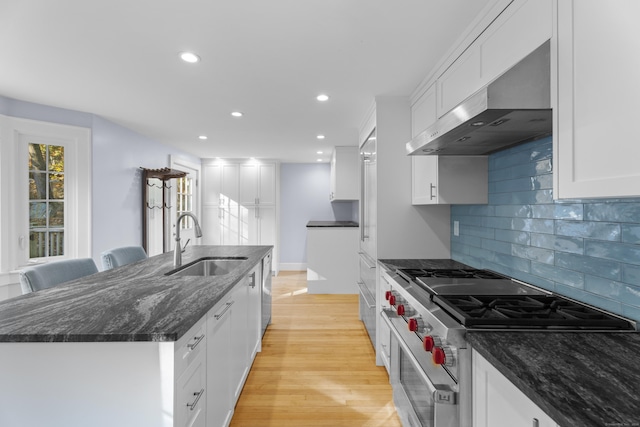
point(527, 311)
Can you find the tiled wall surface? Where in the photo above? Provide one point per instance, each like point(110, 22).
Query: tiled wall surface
point(588, 250)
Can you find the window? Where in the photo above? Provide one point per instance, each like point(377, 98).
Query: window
point(45, 192)
point(184, 200)
point(46, 200)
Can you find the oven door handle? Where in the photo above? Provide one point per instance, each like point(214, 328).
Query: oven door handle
point(433, 389)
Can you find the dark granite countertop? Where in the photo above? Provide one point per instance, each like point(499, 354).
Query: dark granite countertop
point(136, 302)
point(314, 224)
point(578, 379)
point(443, 264)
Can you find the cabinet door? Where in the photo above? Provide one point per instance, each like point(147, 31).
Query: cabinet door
point(219, 394)
point(249, 184)
point(423, 112)
point(267, 225)
point(497, 402)
point(598, 68)
point(191, 393)
point(267, 184)
point(230, 186)
point(461, 80)
point(524, 26)
point(239, 366)
point(424, 180)
point(212, 225)
point(212, 178)
point(254, 316)
point(230, 226)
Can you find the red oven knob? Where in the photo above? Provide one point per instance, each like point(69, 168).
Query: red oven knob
point(442, 356)
point(387, 295)
point(392, 300)
point(415, 324)
point(429, 342)
point(400, 309)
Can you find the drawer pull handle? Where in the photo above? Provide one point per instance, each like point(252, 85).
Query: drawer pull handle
point(198, 395)
point(196, 342)
point(535, 423)
point(227, 307)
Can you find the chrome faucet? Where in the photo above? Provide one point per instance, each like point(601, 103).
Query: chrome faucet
point(177, 254)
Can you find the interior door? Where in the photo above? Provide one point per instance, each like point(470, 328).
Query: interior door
point(186, 198)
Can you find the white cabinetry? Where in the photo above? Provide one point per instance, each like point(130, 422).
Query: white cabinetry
point(240, 203)
point(423, 111)
point(449, 180)
point(191, 399)
point(595, 153)
point(516, 32)
point(219, 401)
point(497, 402)
point(384, 333)
point(344, 174)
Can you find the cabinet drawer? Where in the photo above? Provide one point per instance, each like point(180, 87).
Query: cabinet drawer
point(190, 346)
point(190, 393)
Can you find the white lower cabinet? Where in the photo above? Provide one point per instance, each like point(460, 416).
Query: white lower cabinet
point(219, 398)
point(449, 180)
point(497, 402)
point(191, 399)
point(384, 333)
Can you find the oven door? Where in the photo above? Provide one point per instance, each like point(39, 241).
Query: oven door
point(420, 400)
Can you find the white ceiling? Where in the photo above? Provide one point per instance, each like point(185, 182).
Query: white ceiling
point(267, 58)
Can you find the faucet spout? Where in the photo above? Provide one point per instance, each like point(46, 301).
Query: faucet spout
point(177, 254)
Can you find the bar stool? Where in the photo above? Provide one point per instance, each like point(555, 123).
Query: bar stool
point(122, 256)
point(49, 275)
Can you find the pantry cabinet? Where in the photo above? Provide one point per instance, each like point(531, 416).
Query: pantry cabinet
point(497, 402)
point(345, 181)
point(240, 203)
point(449, 180)
point(595, 154)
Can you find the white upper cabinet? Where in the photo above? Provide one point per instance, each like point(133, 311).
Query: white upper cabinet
point(423, 111)
point(516, 32)
point(257, 184)
point(449, 180)
point(345, 181)
point(595, 152)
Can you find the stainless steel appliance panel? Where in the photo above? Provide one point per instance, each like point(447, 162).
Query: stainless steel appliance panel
point(368, 313)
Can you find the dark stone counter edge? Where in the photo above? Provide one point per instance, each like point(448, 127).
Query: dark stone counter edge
point(329, 224)
point(32, 338)
point(441, 264)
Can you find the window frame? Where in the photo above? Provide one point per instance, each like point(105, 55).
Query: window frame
point(15, 134)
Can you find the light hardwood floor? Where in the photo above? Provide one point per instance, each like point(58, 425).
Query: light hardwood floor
point(317, 365)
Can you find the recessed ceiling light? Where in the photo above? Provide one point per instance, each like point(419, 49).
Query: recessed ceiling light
point(237, 114)
point(189, 57)
point(322, 97)
point(320, 136)
point(319, 160)
point(319, 152)
point(203, 137)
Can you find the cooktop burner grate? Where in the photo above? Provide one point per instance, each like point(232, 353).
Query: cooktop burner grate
point(412, 273)
point(532, 311)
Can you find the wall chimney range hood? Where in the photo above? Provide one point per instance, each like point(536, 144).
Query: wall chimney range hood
point(514, 108)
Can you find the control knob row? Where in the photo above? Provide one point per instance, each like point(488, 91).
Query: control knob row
point(440, 353)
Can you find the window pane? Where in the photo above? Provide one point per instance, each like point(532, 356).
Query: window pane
point(37, 185)
point(56, 186)
point(37, 214)
point(56, 214)
point(56, 243)
point(37, 244)
point(37, 157)
point(56, 158)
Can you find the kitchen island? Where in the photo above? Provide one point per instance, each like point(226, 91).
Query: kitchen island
point(130, 346)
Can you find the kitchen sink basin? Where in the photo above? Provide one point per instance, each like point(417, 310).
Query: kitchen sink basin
point(211, 266)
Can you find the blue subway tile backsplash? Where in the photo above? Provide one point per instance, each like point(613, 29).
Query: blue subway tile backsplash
point(587, 250)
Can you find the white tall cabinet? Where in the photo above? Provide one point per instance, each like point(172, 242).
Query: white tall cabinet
point(240, 203)
point(597, 99)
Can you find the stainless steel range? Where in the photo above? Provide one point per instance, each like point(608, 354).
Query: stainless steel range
point(429, 312)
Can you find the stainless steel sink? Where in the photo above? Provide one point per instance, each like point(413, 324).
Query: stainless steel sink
point(211, 266)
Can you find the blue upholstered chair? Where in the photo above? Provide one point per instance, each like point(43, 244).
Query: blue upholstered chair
point(49, 275)
point(122, 256)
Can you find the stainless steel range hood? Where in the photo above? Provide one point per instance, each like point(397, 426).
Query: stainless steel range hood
point(512, 109)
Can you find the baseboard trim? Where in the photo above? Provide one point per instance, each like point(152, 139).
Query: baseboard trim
point(293, 266)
